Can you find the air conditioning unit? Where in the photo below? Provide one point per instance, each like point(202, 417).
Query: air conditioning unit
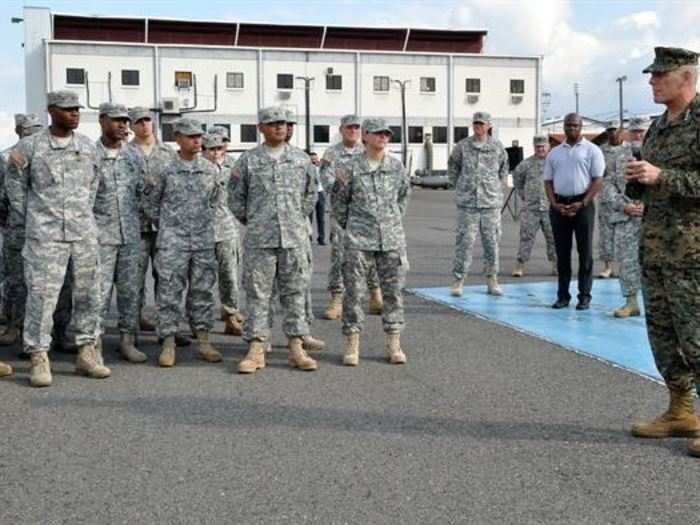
point(516, 99)
point(170, 106)
point(284, 95)
point(329, 71)
point(472, 99)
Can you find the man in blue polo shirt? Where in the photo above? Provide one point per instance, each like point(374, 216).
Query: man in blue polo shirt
point(573, 174)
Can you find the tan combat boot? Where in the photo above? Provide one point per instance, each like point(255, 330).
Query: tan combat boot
point(89, 363)
point(233, 325)
point(519, 270)
point(393, 349)
point(206, 352)
point(679, 420)
point(167, 352)
point(335, 308)
point(11, 336)
point(376, 301)
point(40, 371)
point(128, 350)
point(492, 287)
point(5, 369)
point(607, 271)
point(254, 359)
point(298, 357)
point(694, 448)
point(312, 344)
point(351, 354)
point(457, 288)
point(630, 309)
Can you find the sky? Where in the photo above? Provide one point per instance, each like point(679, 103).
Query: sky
point(589, 42)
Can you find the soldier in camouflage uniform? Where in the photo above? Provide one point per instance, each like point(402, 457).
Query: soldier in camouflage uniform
point(336, 158)
point(371, 194)
point(477, 168)
point(667, 180)
point(273, 198)
point(188, 196)
point(606, 245)
point(528, 182)
point(117, 212)
point(52, 182)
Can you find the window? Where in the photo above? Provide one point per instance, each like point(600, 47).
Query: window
point(439, 135)
point(461, 132)
point(183, 79)
point(517, 87)
point(334, 82)
point(396, 137)
point(322, 134)
point(75, 76)
point(427, 84)
point(285, 81)
point(415, 134)
point(168, 132)
point(130, 77)
point(473, 85)
point(381, 83)
point(234, 80)
point(249, 133)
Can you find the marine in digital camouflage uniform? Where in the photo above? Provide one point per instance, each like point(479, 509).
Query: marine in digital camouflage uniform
point(273, 198)
point(528, 182)
point(371, 194)
point(606, 245)
point(477, 168)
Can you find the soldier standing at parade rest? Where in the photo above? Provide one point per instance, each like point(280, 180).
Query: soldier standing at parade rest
point(606, 245)
point(52, 181)
point(273, 198)
point(117, 212)
point(335, 158)
point(371, 194)
point(573, 175)
point(667, 180)
point(477, 169)
point(527, 180)
point(185, 247)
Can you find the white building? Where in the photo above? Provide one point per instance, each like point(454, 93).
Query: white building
point(169, 65)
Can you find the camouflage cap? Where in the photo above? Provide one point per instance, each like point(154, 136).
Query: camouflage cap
point(613, 124)
point(212, 140)
point(63, 99)
point(350, 120)
point(108, 109)
point(188, 126)
point(220, 130)
point(481, 116)
point(670, 58)
point(272, 114)
point(138, 113)
point(291, 117)
point(375, 125)
point(31, 120)
point(636, 124)
point(540, 140)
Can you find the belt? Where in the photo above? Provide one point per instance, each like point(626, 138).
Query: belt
point(568, 199)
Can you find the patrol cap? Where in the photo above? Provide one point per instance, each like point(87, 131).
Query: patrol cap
point(375, 125)
point(213, 140)
point(31, 120)
point(63, 99)
point(636, 124)
point(540, 140)
point(481, 116)
point(220, 130)
point(188, 126)
point(612, 124)
point(291, 117)
point(272, 114)
point(670, 58)
point(108, 109)
point(350, 120)
point(138, 113)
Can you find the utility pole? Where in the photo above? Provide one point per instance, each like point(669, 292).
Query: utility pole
point(307, 101)
point(404, 127)
point(620, 80)
point(546, 101)
point(576, 94)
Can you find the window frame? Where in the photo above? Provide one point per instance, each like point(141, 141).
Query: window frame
point(321, 128)
point(381, 78)
point(334, 76)
point(412, 139)
point(248, 127)
point(443, 129)
point(74, 69)
point(235, 73)
point(279, 77)
point(180, 75)
point(466, 86)
point(520, 82)
point(138, 78)
point(428, 91)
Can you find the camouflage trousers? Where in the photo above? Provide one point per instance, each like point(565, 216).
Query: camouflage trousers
point(391, 267)
point(335, 272)
point(308, 305)
point(3, 276)
point(15, 290)
point(177, 269)
point(289, 270)
point(148, 253)
point(606, 240)
point(672, 303)
point(45, 266)
point(485, 221)
point(626, 238)
point(120, 269)
point(228, 254)
point(532, 221)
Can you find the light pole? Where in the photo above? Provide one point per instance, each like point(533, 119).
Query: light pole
point(307, 101)
point(404, 127)
point(620, 80)
point(576, 94)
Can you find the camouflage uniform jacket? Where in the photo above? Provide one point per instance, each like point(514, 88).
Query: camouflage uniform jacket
point(528, 182)
point(274, 197)
point(119, 196)
point(4, 202)
point(671, 222)
point(477, 171)
point(336, 157)
point(612, 195)
point(225, 224)
point(52, 189)
point(369, 204)
point(187, 196)
point(161, 155)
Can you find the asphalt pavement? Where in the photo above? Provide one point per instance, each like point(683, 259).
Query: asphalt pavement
point(484, 425)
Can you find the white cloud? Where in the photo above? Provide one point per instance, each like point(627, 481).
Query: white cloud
point(643, 20)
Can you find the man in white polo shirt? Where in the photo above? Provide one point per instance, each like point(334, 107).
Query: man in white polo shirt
point(573, 174)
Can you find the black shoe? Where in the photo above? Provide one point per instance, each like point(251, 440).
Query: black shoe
point(321, 242)
point(583, 304)
point(561, 303)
